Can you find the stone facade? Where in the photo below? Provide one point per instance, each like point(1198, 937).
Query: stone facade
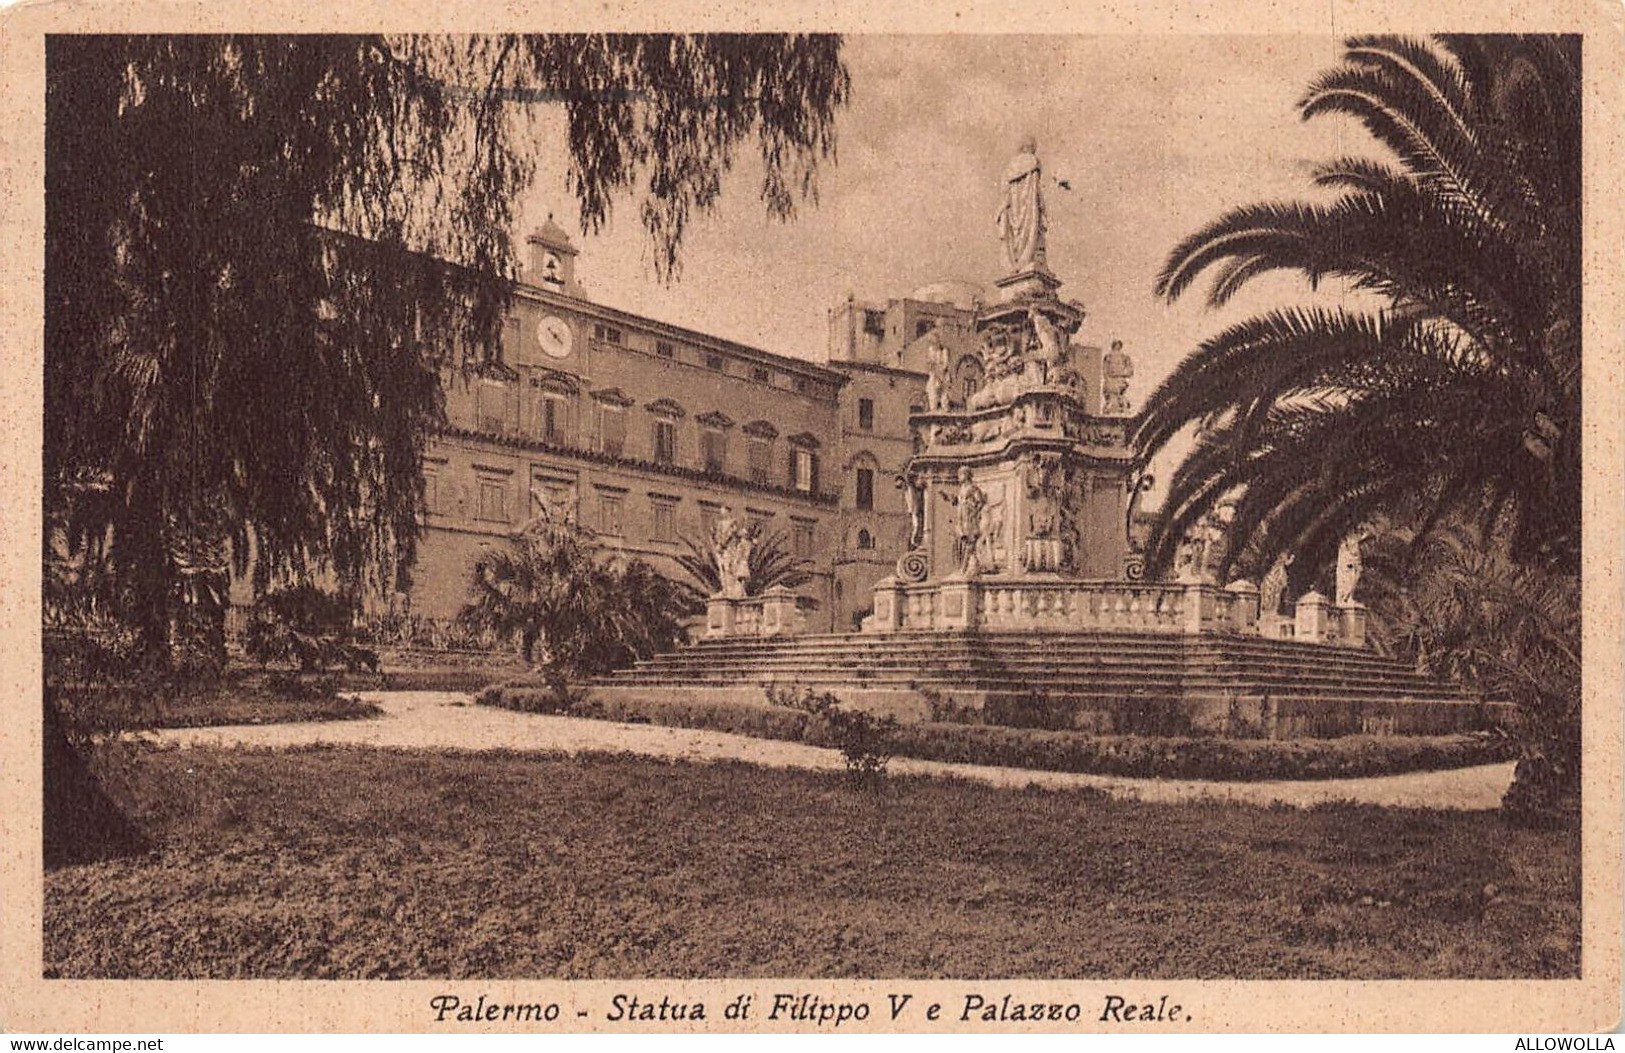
point(644, 432)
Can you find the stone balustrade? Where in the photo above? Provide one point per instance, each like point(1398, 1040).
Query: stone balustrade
point(776, 612)
point(1034, 604)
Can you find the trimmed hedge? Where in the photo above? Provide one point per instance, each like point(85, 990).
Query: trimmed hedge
point(758, 720)
point(1230, 759)
point(1141, 756)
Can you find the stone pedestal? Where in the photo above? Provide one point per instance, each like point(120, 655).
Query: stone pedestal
point(719, 616)
point(1352, 624)
point(1201, 608)
point(957, 602)
point(1313, 618)
point(1244, 609)
point(888, 611)
point(779, 616)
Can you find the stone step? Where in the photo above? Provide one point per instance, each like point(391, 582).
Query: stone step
point(1104, 665)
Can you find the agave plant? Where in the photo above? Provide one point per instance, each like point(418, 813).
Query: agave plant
point(1460, 394)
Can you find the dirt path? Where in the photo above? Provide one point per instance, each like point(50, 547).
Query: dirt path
point(447, 720)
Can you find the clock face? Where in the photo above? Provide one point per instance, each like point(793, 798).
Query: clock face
point(555, 336)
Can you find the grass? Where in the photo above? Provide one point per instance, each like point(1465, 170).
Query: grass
point(458, 865)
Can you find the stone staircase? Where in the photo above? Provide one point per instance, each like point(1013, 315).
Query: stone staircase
point(1097, 681)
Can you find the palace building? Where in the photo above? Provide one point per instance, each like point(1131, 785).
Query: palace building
point(645, 432)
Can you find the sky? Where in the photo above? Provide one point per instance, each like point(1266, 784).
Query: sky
point(1156, 136)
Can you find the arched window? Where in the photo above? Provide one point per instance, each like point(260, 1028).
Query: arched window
point(866, 540)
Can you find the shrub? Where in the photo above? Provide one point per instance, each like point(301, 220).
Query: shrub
point(866, 741)
point(309, 627)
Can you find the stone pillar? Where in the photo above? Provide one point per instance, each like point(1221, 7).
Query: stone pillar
point(1244, 610)
point(958, 601)
point(779, 612)
point(719, 617)
point(1201, 607)
point(888, 612)
point(1313, 618)
point(1353, 618)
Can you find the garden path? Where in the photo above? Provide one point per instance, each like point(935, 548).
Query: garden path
point(449, 720)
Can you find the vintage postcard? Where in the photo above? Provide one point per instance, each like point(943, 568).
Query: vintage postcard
point(1007, 520)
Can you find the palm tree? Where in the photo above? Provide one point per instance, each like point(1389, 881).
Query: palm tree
point(771, 564)
point(554, 588)
point(1461, 394)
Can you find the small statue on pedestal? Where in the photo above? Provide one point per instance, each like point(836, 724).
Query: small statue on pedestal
point(1116, 367)
point(1349, 567)
point(731, 546)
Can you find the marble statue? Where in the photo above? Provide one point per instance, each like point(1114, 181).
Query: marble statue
point(1349, 567)
point(1273, 587)
point(731, 545)
point(970, 502)
point(1051, 344)
point(1116, 367)
point(1043, 506)
point(936, 378)
point(1021, 216)
point(916, 510)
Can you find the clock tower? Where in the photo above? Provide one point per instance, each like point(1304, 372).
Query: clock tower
point(552, 264)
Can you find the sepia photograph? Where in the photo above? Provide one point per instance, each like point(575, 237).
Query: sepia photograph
point(1041, 519)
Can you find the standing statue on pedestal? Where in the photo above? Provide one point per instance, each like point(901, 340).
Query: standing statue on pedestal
point(731, 545)
point(916, 510)
point(970, 502)
point(1021, 216)
point(936, 377)
point(1349, 567)
point(1115, 370)
point(1273, 588)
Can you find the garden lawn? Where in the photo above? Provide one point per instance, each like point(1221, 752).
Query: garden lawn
point(358, 863)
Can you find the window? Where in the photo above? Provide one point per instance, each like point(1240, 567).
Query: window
point(708, 519)
point(610, 506)
point(552, 418)
point(508, 351)
point(612, 430)
point(663, 518)
point(866, 489)
point(713, 362)
point(608, 334)
point(923, 326)
point(491, 398)
point(665, 442)
point(761, 375)
point(866, 540)
point(866, 414)
point(714, 449)
point(874, 323)
point(759, 454)
point(493, 506)
point(664, 349)
point(431, 491)
point(802, 537)
point(803, 470)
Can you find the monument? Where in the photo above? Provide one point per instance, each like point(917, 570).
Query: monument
point(1023, 490)
point(1021, 596)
